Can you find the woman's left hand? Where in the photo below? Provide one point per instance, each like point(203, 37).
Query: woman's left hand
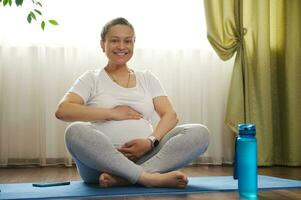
point(136, 148)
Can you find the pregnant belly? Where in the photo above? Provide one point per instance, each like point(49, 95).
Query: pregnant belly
point(120, 132)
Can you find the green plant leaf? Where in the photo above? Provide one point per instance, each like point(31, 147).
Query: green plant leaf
point(5, 2)
point(10, 2)
point(38, 3)
point(43, 25)
point(53, 22)
point(37, 11)
point(33, 15)
point(19, 2)
point(29, 18)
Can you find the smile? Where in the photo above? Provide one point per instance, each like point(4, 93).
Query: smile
point(120, 53)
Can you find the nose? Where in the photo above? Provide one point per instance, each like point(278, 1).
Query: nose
point(121, 45)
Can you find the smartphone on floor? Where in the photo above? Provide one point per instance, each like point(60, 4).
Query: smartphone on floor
point(50, 184)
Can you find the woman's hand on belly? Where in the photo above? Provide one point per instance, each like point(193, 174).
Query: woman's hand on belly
point(136, 148)
point(123, 112)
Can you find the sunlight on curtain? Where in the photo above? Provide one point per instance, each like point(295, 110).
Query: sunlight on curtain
point(36, 69)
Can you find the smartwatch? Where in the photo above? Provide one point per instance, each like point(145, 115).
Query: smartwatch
point(154, 141)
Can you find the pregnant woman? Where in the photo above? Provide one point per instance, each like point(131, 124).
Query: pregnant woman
point(111, 138)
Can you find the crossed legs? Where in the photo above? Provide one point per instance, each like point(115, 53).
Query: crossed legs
point(98, 161)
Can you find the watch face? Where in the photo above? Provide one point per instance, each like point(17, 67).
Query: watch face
point(156, 142)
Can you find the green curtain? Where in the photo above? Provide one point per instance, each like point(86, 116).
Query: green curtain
point(266, 80)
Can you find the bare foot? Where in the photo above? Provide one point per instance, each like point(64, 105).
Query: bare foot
point(108, 180)
point(174, 179)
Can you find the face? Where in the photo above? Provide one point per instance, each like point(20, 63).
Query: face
point(119, 44)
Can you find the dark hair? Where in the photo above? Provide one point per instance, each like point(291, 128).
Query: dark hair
point(113, 22)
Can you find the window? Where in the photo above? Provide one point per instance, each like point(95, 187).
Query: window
point(158, 24)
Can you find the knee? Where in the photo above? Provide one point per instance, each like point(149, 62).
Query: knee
point(201, 134)
point(73, 129)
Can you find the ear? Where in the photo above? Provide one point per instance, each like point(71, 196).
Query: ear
point(102, 45)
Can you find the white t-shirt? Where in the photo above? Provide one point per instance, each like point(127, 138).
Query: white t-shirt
point(98, 90)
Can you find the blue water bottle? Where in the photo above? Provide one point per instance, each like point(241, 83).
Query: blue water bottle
point(245, 161)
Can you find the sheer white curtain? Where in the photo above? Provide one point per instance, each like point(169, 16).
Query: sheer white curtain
point(36, 69)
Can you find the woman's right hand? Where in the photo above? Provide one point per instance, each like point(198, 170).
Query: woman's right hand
point(123, 112)
point(72, 108)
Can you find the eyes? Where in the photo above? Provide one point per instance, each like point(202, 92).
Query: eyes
point(127, 41)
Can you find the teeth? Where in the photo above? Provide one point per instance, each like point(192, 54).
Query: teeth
point(120, 54)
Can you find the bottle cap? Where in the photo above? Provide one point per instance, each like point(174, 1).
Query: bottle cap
point(246, 129)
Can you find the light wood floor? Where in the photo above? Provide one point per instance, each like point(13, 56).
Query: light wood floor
point(35, 174)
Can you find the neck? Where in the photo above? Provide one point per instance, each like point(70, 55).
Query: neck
point(117, 68)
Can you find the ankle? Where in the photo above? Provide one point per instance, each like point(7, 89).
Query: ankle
point(145, 179)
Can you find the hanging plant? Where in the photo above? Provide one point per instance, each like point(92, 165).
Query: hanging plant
point(33, 14)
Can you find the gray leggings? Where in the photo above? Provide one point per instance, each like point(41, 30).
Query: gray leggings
point(93, 152)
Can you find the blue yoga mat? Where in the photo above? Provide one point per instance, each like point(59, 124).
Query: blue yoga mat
point(80, 189)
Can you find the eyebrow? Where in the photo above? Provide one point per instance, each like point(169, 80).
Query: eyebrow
point(128, 37)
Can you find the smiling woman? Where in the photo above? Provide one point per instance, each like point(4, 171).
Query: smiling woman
point(116, 145)
point(37, 67)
